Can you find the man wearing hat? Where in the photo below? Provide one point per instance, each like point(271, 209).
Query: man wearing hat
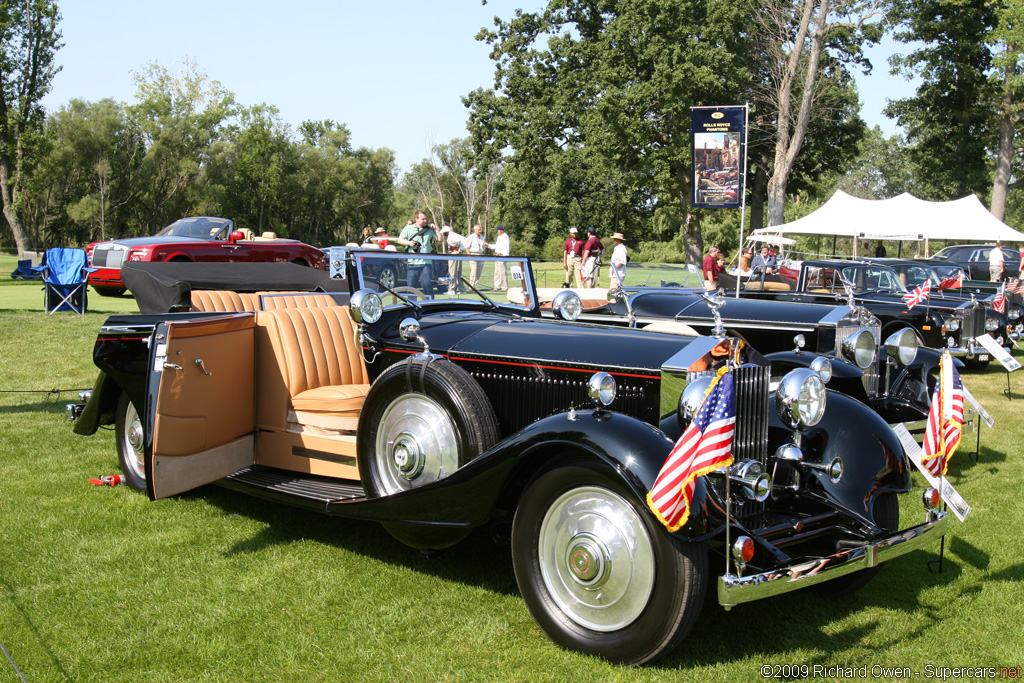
point(571, 261)
point(617, 265)
point(592, 250)
point(381, 237)
point(501, 247)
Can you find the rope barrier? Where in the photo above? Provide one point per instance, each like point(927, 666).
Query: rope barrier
point(11, 660)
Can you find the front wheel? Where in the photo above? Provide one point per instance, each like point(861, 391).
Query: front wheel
point(108, 291)
point(598, 573)
point(131, 443)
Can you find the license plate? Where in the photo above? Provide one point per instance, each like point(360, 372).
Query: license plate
point(983, 356)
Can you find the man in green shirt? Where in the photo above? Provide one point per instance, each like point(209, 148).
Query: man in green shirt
point(421, 238)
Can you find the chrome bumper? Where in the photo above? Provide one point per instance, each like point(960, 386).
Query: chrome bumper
point(970, 351)
point(74, 410)
point(733, 590)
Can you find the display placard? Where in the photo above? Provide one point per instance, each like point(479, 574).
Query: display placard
point(949, 494)
point(718, 156)
point(998, 352)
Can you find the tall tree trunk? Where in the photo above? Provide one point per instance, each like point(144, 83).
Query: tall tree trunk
point(757, 196)
point(1004, 154)
point(7, 195)
point(790, 136)
point(692, 237)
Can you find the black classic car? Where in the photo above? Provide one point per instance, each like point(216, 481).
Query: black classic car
point(950, 284)
point(896, 376)
point(438, 416)
point(879, 289)
point(974, 259)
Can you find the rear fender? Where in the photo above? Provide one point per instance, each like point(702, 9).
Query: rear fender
point(101, 406)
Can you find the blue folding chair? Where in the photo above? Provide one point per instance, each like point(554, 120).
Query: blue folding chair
point(24, 271)
point(65, 276)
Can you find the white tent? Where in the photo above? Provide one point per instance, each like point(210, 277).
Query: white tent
point(901, 218)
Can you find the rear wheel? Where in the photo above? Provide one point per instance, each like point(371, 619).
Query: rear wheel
point(388, 276)
point(108, 291)
point(131, 443)
point(598, 573)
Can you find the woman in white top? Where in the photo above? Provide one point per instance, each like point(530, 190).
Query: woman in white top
point(617, 265)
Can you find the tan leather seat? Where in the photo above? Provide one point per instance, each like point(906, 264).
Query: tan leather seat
point(274, 300)
point(308, 361)
point(215, 300)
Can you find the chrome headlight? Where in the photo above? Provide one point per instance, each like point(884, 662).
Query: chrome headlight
point(366, 306)
point(822, 366)
point(860, 348)
point(952, 324)
point(902, 346)
point(800, 398)
point(567, 305)
point(991, 324)
point(1013, 314)
point(693, 396)
point(602, 388)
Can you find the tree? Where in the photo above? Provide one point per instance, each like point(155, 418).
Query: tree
point(1008, 80)
point(590, 111)
point(802, 41)
point(29, 41)
point(948, 121)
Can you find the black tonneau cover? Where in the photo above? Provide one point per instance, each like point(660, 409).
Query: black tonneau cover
point(163, 287)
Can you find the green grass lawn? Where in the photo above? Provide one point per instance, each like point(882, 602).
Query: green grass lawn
point(99, 584)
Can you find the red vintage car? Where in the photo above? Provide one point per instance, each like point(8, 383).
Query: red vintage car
point(197, 238)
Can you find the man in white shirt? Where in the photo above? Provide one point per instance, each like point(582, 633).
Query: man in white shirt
point(501, 247)
point(617, 265)
point(475, 245)
point(453, 242)
point(995, 263)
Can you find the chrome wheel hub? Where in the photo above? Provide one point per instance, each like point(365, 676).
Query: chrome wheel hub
point(134, 442)
point(416, 444)
point(596, 558)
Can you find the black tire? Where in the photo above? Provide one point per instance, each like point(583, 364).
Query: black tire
point(650, 585)
point(974, 364)
point(421, 421)
point(300, 262)
point(387, 276)
point(108, 291)
point(887, 517)
point(130, 443)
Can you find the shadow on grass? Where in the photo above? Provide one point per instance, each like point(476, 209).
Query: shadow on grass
point(52, 402)
point(478, 560)
point(51, 655)
point(800, 621)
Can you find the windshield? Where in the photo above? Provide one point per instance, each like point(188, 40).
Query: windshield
point(867, 278)
point(946, 272)
point(913, 276)
point(495, 281)
point(199, 228)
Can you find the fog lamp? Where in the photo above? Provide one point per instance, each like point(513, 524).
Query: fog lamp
point(931, 498)
point(743, 550)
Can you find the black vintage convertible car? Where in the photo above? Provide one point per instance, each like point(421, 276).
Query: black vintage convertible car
point(434, 417)
point(896, 376)
point(951, 325)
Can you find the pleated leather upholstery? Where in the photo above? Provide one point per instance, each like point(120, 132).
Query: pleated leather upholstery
point(216, 300)
point(308, 360)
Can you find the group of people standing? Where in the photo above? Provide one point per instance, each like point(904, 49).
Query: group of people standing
point(714, 264)
point(581, 259)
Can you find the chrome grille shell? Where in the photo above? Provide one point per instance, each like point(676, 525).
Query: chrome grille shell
point(108, 256)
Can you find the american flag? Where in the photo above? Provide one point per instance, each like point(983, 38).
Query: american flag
point(999, 303)
point(945, 419)
point(705, 446)
point(1012, 285)
point(918, 295)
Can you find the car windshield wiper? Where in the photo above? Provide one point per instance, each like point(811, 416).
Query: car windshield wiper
point(397, 295)
point(480, 294)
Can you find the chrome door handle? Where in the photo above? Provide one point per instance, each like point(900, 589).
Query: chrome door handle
point(172, 366)
point(199, 364)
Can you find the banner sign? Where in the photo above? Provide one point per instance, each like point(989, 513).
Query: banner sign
point(718, 157)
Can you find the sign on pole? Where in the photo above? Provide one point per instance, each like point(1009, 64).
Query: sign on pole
point(719, 159)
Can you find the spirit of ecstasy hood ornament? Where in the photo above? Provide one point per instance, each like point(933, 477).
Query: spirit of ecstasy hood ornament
point(715, 300)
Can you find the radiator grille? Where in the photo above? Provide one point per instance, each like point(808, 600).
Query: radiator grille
point(974, 323)
point(750, 441)
point(108, 257)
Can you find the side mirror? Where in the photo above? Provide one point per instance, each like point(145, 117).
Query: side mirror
point(235, 236)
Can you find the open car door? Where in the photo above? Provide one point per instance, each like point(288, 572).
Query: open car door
point(200, 403)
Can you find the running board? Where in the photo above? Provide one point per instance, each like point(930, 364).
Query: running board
point(293, 488)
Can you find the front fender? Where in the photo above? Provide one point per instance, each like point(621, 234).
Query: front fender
point(872, 455)
point(100, 408)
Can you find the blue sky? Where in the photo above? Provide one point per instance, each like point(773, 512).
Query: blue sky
point(393, 71)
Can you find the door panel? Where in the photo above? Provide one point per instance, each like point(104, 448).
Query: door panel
point(202, 407)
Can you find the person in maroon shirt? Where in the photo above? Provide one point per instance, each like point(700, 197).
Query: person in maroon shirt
point(592, 250)
point(572, 252)
point(710, 269)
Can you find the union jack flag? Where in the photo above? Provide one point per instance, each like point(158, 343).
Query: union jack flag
point(705, 446)
point(945, 419)
point(918, 295)
point(999, 303)
point(954, 282)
